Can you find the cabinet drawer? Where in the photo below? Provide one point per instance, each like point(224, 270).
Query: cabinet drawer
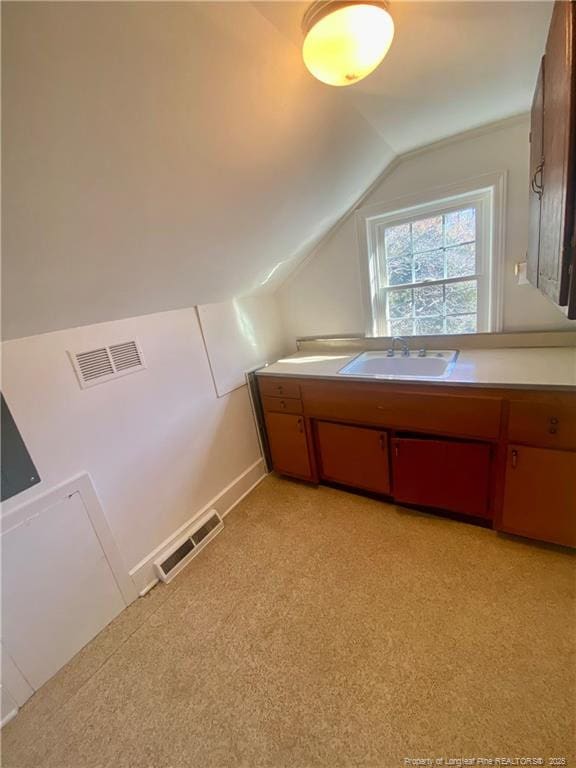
point(544, 425)
point(277, 387)
point(282, 404)
point(456, 415)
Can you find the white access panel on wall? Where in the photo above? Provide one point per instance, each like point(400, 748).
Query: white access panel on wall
point(16, 690)
point(58, 588)
point(240, 335)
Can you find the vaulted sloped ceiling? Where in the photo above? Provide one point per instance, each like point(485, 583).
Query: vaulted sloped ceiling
point(452, 66)
point(161, 155)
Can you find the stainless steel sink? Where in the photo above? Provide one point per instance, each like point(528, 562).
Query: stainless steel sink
point(435, 364)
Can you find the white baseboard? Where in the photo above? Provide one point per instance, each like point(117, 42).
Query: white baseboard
point(143, 573)
point(15, 690)
point(9, 716)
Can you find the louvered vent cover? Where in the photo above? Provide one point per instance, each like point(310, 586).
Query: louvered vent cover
point(185, 549)
point(125, 356)
point(105, 363)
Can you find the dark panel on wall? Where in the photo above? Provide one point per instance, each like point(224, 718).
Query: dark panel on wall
point(18, 470)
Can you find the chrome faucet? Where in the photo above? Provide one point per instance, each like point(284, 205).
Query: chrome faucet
point(403, 342)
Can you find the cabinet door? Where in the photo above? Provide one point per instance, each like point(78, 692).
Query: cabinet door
point(289, 444)
point(353, 456)
point(536, 170)
point(540, 494)
point(445, 474)
point(557, 221)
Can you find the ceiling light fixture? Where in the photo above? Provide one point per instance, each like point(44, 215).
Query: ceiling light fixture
point(345, 41)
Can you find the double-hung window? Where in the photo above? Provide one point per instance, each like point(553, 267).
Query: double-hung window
point(431, 267)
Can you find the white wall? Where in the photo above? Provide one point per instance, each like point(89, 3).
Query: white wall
point(240, 335)
point(323, 296)
point(158, 444)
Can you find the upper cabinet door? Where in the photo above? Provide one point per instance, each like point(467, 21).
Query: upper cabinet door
point(536, 170)
point(555, 272)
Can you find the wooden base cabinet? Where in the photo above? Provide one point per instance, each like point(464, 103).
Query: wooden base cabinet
point(449, 475)
point(540, 494)
point(354, 456)
point(288, 438)
point(504, 456)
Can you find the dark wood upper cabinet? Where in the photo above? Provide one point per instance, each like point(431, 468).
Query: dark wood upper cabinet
point(552, 246)
point(536, 169)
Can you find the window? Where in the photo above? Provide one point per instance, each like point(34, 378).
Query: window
point(431, 267)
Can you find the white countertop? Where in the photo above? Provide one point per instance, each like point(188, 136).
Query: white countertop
point(524, 368)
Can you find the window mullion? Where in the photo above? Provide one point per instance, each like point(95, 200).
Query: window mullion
point(413, 272)
point(444, 256)
point(424, 283)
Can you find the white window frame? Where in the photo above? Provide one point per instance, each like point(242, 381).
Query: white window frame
point(487, 195)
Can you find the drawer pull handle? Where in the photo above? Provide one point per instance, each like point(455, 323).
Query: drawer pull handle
point(514, 459)
point(280, 390)
point(553, 420)
point(381, 441)
point(282, 404)
point(396, 450)
point(300, 427)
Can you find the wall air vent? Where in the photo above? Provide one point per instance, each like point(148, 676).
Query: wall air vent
point(125, 356)
point(182, 551)
point(96, 366)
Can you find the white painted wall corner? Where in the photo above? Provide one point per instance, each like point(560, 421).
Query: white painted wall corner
point(143, 574)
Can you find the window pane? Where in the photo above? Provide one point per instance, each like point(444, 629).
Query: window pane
point(427, 234)
point(461, 297)
point(397, 241)
point(399, 270)
point(434, 249)
point(429, 300)
point(460, 226)
point(400, 303)
point(429, 266)
point(429, 325)
point(461, 260)
point(402, 327)
point(462, 324)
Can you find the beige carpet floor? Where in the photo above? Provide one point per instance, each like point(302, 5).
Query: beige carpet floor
point(323, 629)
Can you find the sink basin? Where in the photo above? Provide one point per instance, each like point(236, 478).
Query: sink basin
point(436, 364)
